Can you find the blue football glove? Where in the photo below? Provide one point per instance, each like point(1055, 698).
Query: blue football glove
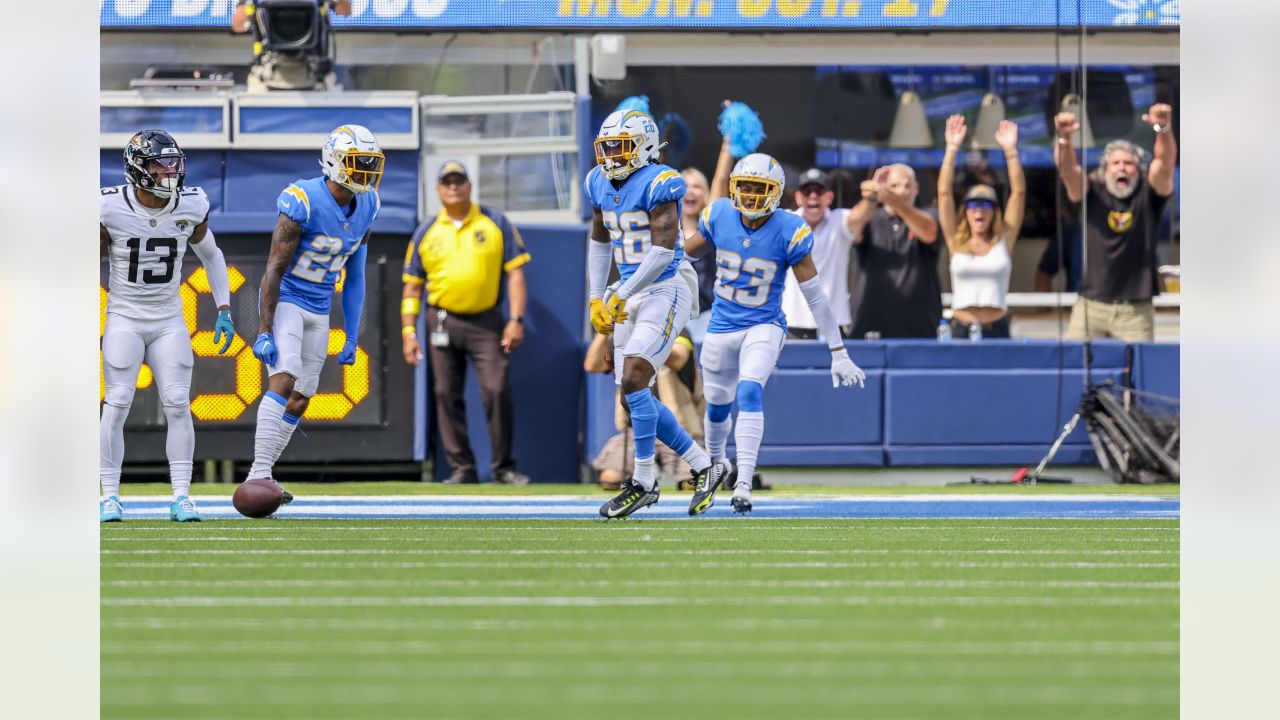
point(348, 354)
point(224, 328)
point(264, 348)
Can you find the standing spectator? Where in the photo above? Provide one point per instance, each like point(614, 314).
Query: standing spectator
point(897, 292)
point(1121, 219)
point(980, 237)
point(832, 245)
point(460, 258)
point(695, 199)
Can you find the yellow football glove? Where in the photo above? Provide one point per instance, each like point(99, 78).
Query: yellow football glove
point(600, 318)
point(616, 307)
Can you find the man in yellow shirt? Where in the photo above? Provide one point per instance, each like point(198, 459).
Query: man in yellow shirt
point(460, 259)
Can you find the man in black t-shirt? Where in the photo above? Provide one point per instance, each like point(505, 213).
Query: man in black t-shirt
point(897, 292)
point(1122, 218)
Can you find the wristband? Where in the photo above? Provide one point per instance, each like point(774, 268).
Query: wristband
point(408, 330)
point(1064, 140)
point(410, 306)
point(1162, 129)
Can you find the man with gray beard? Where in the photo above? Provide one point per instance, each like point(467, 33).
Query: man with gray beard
point(1123, 207)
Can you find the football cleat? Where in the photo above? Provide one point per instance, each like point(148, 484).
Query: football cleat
point(632, 498)
point(183, 510)
point(741, 505)
point(111, 510)
point(288, 496)
point(705, 485)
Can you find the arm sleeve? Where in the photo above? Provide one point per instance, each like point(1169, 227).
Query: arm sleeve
point(599, 256)
point(655, 261)
point(215, 266)
point(353, 292)
point(821, 309)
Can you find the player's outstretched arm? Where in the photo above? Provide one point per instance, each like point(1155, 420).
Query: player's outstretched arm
point(104, 242)
point(284, 243)
point(215, 267)
point(843, 370)
point(353, 301)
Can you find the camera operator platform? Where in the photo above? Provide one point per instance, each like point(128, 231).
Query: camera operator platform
point(293, 45)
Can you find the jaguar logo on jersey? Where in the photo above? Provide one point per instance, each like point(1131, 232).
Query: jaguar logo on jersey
point(479, 237)
point(182, 225)
point(1119, 222)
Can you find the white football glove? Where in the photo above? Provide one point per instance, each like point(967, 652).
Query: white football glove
point(844, 372)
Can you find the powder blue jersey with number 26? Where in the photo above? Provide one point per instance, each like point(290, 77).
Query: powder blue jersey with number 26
point(625, 212)
point(329, 237)
point(751, 265)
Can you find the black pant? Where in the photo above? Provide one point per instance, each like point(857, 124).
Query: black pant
point(997, 329)
point(478, 337)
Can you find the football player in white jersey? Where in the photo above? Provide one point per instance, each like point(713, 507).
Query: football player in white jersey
point(146, 226)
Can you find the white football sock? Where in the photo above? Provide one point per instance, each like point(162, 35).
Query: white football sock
point(747, 436)
point(288, 423)
point(718, 436)
point(180, 446)
point(644, 473)
point(266, 437)
point(696, 457)
point(111, 448)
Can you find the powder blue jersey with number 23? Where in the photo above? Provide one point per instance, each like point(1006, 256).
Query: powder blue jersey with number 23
point(751, 265)
point(329, 237)
point(625, 212)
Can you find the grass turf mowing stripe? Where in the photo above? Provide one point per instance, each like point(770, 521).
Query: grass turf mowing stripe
point(1003, 621)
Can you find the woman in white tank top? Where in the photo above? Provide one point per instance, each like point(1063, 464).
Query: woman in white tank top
point(980, 237)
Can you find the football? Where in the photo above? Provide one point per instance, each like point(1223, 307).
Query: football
point(258, 498)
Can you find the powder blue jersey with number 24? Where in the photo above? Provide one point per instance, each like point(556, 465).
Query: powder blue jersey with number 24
point(625, 212)
point(751, 265)
point(329, 237)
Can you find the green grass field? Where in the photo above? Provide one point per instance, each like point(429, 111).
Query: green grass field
point(735, 618)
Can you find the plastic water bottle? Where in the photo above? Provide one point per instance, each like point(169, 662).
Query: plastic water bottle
point(975, 331)
point(944, 330)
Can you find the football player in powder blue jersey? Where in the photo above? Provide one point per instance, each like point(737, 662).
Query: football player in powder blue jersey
point(755, 247)
point(636, 222)
point(323, 227)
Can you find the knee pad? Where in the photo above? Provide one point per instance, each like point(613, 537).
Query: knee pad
point(750, 396)
point(175, 396)
point(719, 413)
point(120, 396)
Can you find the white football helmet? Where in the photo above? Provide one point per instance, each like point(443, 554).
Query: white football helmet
point(755, 185)
point(351, 157)
point(628, 140)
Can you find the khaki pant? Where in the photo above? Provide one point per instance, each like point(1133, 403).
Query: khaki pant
point(1130, 321)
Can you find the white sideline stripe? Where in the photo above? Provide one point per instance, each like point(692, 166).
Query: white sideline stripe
point(297, 552)
point(320, 525)
point(287, 562)
point(588, 601)
point(762, 500)
point(717, 646)
point(948, 584)
point(366, 624)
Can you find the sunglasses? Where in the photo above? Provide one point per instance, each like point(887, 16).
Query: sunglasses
point(978, 204)
point(812, 190)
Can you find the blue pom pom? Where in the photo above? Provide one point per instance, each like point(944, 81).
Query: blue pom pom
point(635, 102)
point(741, 126)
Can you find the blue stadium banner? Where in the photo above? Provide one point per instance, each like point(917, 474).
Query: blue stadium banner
point(640, 15)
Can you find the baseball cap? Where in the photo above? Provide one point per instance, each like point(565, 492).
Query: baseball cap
point(452, 167)
point(813, 176)
point(981, 192)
